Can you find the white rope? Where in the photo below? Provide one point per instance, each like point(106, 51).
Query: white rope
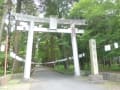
point(13, 55)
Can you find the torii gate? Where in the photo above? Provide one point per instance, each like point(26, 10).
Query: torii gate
point(53, 29)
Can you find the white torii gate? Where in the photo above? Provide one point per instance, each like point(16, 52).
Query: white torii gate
point(53, 29)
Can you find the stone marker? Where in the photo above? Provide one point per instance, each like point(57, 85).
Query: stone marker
point(93, 57)
point(95, 77)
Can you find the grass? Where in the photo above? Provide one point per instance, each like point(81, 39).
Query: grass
point(115, 68)
point(112, 85)
point(61, 69)
point(15, 84)
point(112, 68)
point(22, 86)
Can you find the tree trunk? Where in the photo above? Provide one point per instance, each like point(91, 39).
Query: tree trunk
point(52, 49)
point(64, 54)
point(3, 17)
point(16, 64)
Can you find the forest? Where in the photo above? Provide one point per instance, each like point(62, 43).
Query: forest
point(103, 25)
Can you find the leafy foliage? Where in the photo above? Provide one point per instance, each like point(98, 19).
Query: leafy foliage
point(102, 18)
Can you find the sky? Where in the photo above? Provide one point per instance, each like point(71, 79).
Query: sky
point(36, 2)
point(14, 1)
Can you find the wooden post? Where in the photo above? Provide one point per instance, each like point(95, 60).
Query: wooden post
point(27, 67)
point(75, 52)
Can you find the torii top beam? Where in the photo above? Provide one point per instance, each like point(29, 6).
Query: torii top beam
point(22, 17)
point(20, 28)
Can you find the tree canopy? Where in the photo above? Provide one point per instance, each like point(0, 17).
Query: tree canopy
point(103, 19)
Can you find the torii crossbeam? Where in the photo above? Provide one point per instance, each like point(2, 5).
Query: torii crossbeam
point(53, 29)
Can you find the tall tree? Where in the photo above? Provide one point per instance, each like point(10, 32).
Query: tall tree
point(26, 7)
point(5, 5)
point(16, 64)
point(57, 8)
point(103, 23)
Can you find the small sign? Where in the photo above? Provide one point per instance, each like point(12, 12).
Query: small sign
point(2, 48)
point(107, 47)
point(115, 45)
point(53, 23)
point(83, 54)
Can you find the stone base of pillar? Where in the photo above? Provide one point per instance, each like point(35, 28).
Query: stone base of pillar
point(96, 78)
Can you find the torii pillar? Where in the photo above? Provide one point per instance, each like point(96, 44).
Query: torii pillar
point(75, 51)
point(28, 57)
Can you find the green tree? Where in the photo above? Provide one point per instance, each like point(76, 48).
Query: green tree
point(60, 9)
point(102, 21)
point(27, 7)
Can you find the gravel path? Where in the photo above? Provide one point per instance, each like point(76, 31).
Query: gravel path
point(45, 79)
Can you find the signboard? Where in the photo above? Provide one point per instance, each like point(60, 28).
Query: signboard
point(116, 45)
point(107, 47)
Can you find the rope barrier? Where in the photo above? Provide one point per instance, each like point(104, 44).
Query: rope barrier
point(18, 58)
